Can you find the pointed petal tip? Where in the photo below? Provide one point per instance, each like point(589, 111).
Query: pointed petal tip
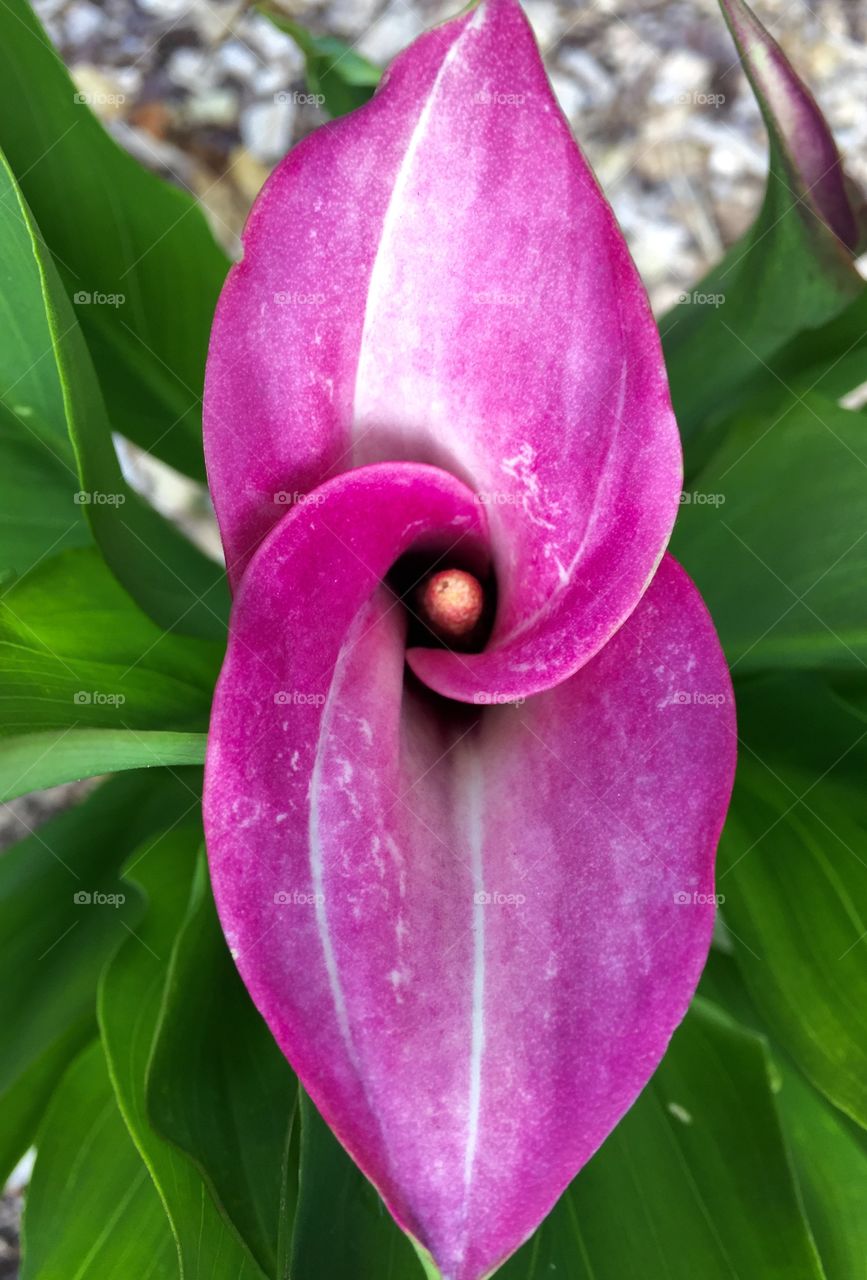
point(346, 258)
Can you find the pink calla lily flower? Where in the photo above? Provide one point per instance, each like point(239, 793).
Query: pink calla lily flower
point(470, 892)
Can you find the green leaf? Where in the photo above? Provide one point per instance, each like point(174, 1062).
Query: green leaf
point(774, 535)
point(39, 474)
point(765, 292)
point(22, 1105)
point(830, 361)
point(130, 998)
point(60, 913)
point(832, 1168)
point(773, 710)
point(850, 689)
point(164, 572)
point(37, 516)
point(218, 1086)
point(34, 761)
point(342, 1229)
point(336, 74)
point(76, 652)
point(114, 229)
point(829, 1155)
point(92, 1212)
point(793, 869)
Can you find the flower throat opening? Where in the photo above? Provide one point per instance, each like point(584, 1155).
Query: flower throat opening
point(447, 606)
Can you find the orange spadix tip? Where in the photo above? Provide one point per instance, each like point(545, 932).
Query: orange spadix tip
point(451, 603)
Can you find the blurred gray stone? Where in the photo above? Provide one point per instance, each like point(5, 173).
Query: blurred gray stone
point(266, 128)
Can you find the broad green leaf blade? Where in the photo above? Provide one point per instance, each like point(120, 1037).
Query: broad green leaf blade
point(289, 1196)
point(342, 1228)
point(34, 761)
point(773, 711)
point(161, 569)
point(793, 869)
point(218, 1086)
point(764, 293)
point(39, 477)
point(830, 361)
point(832, 1167)
point(774, 536)
point(92, 1211)
point(130, 999)
point(830, 1155)
point(114, 229)
point(164, 572)
point(23, 1104)
point(37, 516)
point(336, 74)
point(58, 930)
point(850, 690)
point(76, 652)
point(61, 913)
point(801, 913)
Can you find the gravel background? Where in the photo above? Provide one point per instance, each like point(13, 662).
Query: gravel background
point(654, 93)
point(198, 91)
point(205, 92)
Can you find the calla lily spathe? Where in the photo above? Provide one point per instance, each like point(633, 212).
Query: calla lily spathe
point(471, 894)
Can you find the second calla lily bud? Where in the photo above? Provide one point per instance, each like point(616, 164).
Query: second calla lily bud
point(470, 892)
point(796, 125)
